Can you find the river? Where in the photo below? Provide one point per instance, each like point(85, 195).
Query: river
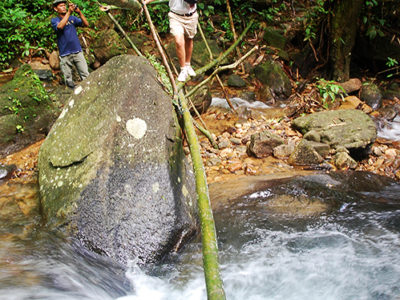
point(321, 236)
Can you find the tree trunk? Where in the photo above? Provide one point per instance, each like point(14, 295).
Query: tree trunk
point(343, 35)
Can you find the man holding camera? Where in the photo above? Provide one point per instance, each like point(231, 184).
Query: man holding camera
point(67, 40)
point(183, 18)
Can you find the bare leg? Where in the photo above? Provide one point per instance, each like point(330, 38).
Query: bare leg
point(180, 49)
point(188, 49)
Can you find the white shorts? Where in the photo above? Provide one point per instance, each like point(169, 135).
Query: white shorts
point(183, 25)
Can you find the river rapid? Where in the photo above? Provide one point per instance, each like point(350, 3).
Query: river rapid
point(321, 236)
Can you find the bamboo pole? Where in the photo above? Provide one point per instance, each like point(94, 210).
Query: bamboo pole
point(216, 76)
point(214, 285)
point(159, 47)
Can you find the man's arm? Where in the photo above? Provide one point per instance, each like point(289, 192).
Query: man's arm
point(64, 20)
point(148, 1)
point(83, 18)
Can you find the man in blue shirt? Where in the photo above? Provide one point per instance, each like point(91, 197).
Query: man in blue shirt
point(67, 40)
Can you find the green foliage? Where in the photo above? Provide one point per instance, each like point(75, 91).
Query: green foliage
point(19, 128)
point(394, 67)
point(15, 105)
point(162, 72)
point(329, 90)
point(25, 25)
point(314, 15)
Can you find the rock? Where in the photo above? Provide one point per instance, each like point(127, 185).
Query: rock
point(44, 75)
point(344, 161)
point(235, 141)
point(274, 38)
point(272, 76)
point(201, 100)
point(112, 171)
point(392, 91)
point(236, 81)
point(351, 85)
point(223, 143)
point(313, 135)
point(350, 102)
point(104, 22)
point(27, 112)
point(138, 38)
point(262, 144)
point(107, 44)
point(305, 154)
point(54, 60)
point(283, 151)
point(350, 128)
point(371, 95)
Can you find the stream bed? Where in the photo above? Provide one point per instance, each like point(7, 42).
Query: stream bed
point(320, 236)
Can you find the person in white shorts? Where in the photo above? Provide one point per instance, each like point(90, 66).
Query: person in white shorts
point(183, 18)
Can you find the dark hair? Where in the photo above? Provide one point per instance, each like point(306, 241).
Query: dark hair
point(191, 1)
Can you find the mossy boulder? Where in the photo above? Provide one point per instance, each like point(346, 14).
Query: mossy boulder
point(371, 95)
point(274, 38)
point(349, 128)
point(272, 76)
point(26, 111)
point(112, 171)
point(236, 81)
point(107, 44)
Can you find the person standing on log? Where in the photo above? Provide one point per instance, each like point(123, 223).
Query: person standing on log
point(183, 18)
point(67, 40)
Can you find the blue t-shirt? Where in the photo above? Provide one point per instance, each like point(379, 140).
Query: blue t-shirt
point(67, 38)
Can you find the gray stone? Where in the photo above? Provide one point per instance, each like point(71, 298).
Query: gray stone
point(44, 75)
point(313, 135)
point(223, 143)
point(263, 143)
point(235, 141)
point(305, 154)
point(349, 128)
point(236, 81)
point(112, 171)
point(344, 161)
point(283, 151)
point(392, 91)
point(371, 95)
point(274, 38)
point(271, 75)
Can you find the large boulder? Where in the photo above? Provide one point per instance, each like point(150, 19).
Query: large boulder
point(272, 76)
point(108, 44)
point(349, 128)
point(26, 111)
point(112, 171)
point(262, 144)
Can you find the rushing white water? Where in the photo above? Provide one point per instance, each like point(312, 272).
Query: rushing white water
point(237, 102)
point(390, 130)
point(349, 251)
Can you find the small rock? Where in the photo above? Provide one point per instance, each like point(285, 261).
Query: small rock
point(263, 143)
point(352, 85)
point(344, 161)
point(54, 60)
point(283, 151)
point(236, 81)
point(305, 154)
point(391, 153)
point(371, 95)
point(235, 141)
point(223, 143)
point(351, 102)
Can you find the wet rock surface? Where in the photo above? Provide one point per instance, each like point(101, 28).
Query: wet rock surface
point(113, 173)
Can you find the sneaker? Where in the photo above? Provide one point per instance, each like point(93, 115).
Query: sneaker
point(190, 71)
point(183, 75)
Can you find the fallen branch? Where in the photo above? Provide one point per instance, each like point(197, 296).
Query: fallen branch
point(239, 53)
point(219, 69)
point(127, 4)
point(125, 35)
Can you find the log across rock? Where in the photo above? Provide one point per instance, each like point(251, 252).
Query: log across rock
point(112, 171)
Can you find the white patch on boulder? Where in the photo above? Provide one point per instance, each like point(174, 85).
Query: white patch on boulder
point(60, 183)
point(185, 192)
point(78, 90)
point(71, 103)
point(136, 128)
point(63, 113)
point(119, 119)
point(156, 187)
